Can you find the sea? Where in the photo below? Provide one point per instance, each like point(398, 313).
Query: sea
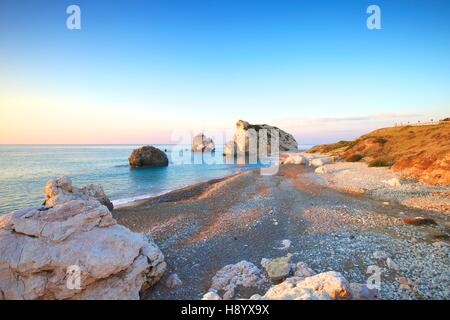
point(25, 169)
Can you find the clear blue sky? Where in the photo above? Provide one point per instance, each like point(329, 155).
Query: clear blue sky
point(138, 69)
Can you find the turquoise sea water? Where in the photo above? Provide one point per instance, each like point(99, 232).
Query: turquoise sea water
point(24, 170)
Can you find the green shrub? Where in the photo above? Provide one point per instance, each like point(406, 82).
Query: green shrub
point(354, 158)
point(381, 140)
point(381, 163)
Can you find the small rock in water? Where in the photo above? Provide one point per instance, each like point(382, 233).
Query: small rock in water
point(173, 281)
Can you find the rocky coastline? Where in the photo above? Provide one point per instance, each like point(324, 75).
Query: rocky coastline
point(319, 228)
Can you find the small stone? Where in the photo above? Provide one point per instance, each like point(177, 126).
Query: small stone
point(285, 244)
point(362, 292)
point(419, 221)
point(406, 283)
point(173, 281)
point(380, 255)
point(320, 170)
point(394, 182)
point(391, 264)
point(302, 270)
point(211, 295)
point(440, 244)
point(278, 268)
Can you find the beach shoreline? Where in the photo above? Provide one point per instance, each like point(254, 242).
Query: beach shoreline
point(247, 216)
point(177, 194)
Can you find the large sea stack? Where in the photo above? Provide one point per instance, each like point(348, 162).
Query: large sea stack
point(202, 143)
point(247, 133)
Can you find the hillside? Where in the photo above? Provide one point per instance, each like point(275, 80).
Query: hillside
point(421, 152)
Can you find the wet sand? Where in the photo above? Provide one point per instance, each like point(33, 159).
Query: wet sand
point(204, 227)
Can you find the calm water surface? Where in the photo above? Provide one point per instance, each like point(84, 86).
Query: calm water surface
point(24, 170)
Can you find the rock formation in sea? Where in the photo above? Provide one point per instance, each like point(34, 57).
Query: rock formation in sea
point(202, 143)
point(247, 139)
point(61, 190)
point(148, 156)
point(74, 250)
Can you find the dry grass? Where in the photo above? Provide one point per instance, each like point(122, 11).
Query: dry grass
point(333, 147)
point(419, 151)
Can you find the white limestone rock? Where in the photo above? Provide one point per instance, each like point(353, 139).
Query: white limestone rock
point(324, 286)
point(39, 245)
point(248, 140)
point(394, 182)
point(202, 143)
point(211, 295)
point(61, 190)
point(318, 162)
point(243, 273)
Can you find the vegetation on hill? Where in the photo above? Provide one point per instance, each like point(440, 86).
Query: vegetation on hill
point(421, 152)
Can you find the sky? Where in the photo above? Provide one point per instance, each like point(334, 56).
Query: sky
point(138, 71)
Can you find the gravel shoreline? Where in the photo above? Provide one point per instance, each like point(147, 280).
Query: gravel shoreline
point(247, 217)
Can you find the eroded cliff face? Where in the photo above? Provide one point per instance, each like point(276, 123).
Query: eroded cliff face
point(249, 138)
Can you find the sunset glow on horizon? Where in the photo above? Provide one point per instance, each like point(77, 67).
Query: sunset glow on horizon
point(138, 71)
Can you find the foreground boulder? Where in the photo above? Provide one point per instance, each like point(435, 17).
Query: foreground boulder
point(247, 140)
point(148, 156)
point(323, 286)
point(74, 250)
point(227, 279)
point(203, 143)
point(61, 190)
